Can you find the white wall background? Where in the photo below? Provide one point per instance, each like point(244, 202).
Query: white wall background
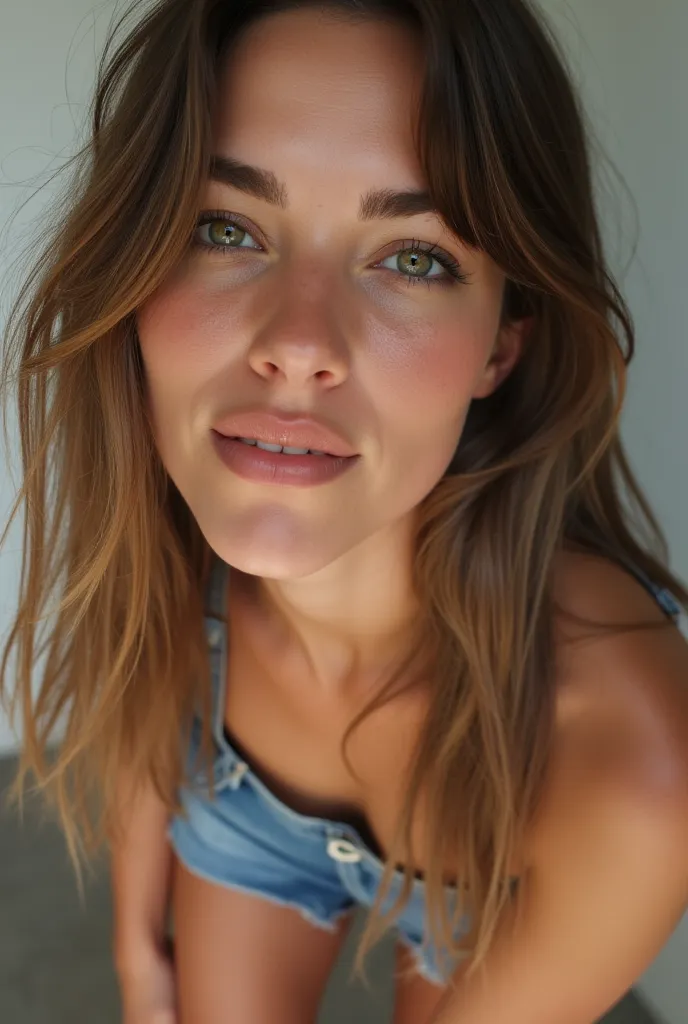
point(48, 53)
point(629, 61)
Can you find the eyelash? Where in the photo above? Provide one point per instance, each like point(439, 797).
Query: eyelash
point(453, 269)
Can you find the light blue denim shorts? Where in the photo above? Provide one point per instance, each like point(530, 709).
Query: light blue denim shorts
point(246, 839)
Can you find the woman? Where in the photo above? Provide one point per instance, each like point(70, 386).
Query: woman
point(447, 682)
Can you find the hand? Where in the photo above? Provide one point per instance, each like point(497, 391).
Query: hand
point(148, 989)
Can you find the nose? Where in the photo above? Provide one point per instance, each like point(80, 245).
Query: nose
point(303, 340)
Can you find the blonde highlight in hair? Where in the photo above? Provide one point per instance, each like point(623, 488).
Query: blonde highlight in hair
point(539, 469)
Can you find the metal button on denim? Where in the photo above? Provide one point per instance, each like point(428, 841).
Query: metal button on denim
point(343, 850)
point(237, 773)
point(214, 633)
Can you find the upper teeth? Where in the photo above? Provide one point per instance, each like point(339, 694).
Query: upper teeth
point(280, 448)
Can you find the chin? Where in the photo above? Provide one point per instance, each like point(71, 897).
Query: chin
point(274, 560)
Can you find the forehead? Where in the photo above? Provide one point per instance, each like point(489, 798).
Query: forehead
point(322, 89)
point(329, 107)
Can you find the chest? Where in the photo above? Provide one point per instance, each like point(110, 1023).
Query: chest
point(291, 733)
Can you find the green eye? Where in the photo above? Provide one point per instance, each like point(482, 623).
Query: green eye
point(413, 261)
point(416, 264)
point(224, 233)
point(415, 258)
point(227, 232)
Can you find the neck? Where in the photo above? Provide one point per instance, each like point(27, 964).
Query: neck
point(352, 618)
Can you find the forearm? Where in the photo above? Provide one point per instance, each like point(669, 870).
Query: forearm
point(141, 863)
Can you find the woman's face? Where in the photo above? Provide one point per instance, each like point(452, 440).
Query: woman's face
point(309, 308)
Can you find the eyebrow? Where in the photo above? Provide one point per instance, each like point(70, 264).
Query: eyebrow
point(377, 204)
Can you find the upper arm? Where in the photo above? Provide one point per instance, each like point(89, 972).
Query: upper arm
point(591, 920)
point(607, 875)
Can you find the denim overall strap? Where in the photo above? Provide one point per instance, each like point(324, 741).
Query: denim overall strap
point(664, 598)
point(216, 590)
point(215, 620)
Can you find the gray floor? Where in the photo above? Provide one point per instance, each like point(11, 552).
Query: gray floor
point(55, 955)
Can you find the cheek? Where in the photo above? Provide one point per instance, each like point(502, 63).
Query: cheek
point(176, 364)
point(423, 386)
point(171, 335)
point(184, 339)
point(428, 372)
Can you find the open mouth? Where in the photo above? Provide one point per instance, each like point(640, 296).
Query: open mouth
point(280, 464)
point(281, 449)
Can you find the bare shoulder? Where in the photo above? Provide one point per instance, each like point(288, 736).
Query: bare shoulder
point(620, 742)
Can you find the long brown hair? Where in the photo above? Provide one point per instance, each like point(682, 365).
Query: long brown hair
point(506, 154)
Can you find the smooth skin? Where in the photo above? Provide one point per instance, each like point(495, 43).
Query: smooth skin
point(242, 959)
point(238, 958)
point(312, 310)
point(604, 867)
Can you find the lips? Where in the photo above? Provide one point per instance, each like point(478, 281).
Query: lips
point(290, 430)
point(275, 469)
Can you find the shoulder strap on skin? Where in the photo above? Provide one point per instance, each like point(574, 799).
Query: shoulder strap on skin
point(214, 609)
point(662, 595)
point(215, 596)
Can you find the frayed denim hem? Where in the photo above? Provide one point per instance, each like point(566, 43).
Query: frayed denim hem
point(329, 924)
point(422, 966)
